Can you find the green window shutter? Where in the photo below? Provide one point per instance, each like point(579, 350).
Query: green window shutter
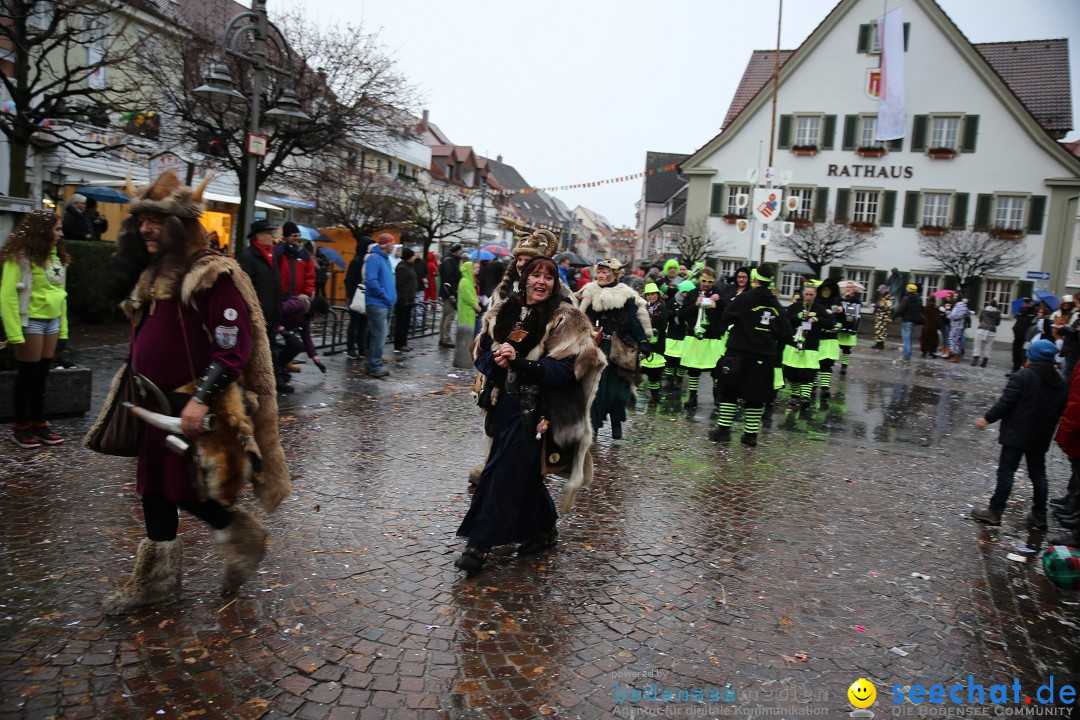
point(836, 272)
point(716, 202)
point(828, 138)
point(959, 210)
point(984, 204)
point(784, 136)
point(888, 209)
point(907, 32)
point(918, 133)
point(971, 132)
point(896, 145)
point(974, 294)
point(864, 38)
point(911, 208)
point(851, 126)
point(1036, 210)
point(843, 197)
point(821, 204)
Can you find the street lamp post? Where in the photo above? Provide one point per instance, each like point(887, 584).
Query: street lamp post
point(219, 85)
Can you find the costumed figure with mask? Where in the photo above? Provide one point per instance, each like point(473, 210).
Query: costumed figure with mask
point(756, 327)
point(653, 364)
point(199, 349)
point(675, 337)
point(621, 318)
point(808, 319)
point(540, 370)
point(704, 343)
point(850, 314)
point(829, 347)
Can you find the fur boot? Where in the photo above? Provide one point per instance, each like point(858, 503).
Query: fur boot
point(474, 474)
point(155, 579)
point(243, 545)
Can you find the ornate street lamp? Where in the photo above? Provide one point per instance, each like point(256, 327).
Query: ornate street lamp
point(219, 85)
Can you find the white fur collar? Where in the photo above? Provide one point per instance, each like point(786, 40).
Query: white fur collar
point(611, 297)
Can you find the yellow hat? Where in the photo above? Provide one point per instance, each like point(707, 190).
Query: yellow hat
point(912, 287)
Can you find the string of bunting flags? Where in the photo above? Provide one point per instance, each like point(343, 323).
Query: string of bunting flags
point(596, 183)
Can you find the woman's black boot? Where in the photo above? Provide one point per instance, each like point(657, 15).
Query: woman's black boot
point(471, 559)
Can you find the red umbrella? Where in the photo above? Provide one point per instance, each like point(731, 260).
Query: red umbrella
point(943, 293)
point(496, 249)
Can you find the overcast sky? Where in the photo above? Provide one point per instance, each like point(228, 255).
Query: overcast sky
point(572, 91)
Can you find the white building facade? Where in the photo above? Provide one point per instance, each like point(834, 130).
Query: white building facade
point(973, 153)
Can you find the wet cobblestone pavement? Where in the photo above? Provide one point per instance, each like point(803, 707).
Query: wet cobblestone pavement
point(839, 548)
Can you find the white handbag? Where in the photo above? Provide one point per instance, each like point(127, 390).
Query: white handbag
point(359, 304)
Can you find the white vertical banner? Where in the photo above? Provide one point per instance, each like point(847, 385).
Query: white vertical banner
point(891, 119)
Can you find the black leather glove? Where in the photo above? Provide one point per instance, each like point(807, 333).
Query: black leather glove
point(531, 371)
point(213, 382)
point(645, 348)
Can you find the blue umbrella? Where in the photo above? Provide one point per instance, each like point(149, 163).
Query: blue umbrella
point(309, 233)
point(333, 256)
point(479, 255)
point(102, 194)
point(497, 249)
point(1048, 298)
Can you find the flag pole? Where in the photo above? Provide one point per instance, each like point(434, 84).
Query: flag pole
point(775, 89)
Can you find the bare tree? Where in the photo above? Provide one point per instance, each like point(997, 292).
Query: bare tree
point(437, 213)
point(822, 244)
point(696, 242)
point(970, 253)
point(361, 200)
point(341, 76)
point(68, 61)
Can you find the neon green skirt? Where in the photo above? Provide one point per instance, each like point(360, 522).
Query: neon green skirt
point(656, 360)
point(673, 348)
point(701, 354)
point(847, 339)
point(805, 359)
point(829, 349)
point(778, 379)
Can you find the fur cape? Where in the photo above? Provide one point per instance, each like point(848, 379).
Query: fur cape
point(609, 298)
point(223, 464)
point(568, 333)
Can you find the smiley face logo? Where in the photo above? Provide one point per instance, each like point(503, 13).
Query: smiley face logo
point(862, 693)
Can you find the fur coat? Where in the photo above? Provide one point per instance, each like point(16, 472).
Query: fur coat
point(597, 298)
point(568, 333)
point(223, 464)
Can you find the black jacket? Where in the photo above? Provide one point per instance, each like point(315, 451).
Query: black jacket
point(822, 325)
point(406, 282)
point(353, 276)
point(449, 276)
point(267, 282)
point(1024, 318)
point(489, 277)
point(76, 224)
point(1030, 407)
point(910, 309)
point(714, 329)
point(757, 323)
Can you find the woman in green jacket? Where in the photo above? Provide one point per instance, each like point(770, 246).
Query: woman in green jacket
point(468, 304)
point(33, 305)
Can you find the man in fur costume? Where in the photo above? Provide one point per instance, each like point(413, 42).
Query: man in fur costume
point(542, 368)
point(199, 335)
point(621, 317)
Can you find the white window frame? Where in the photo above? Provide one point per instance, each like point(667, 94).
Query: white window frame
point(1012, 213)
point(808, 140)
point(939, 131)
point(929, 282)
point(936, 214)
point(789, 284)
point(1001, 289)
point(805, 194)
point(868, 126)
point(730, 206)
point(1076, 265)
point(866, 205)
point(726, 268)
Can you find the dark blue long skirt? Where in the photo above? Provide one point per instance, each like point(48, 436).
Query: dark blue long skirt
point(511, 503)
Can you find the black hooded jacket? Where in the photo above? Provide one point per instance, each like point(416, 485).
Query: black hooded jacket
point(758, 324)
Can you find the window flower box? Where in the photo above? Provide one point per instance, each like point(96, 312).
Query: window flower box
point(870, 152)
point(804, 149)
point(1005, 233)
point(942, 153)
point(732, 218)
point(862, 226)
point(802, 222)
point(933, 230)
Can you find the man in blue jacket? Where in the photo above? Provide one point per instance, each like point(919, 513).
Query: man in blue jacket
point(380, 297)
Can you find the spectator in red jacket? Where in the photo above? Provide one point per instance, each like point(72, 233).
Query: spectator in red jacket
point(431, 291)
point(1068, 439)
point(296, 265)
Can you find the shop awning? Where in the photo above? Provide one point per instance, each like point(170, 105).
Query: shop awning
point(235, 200)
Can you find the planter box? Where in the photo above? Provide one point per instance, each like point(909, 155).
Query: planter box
point(941, 153)
point(802, 222)
point(871, 152)
point(804, 150)
point(67, 393)
point(863, 227)
point(732, 219)
point(932, 230)
point(1003, 234)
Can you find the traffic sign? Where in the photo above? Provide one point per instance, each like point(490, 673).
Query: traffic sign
point(1038, 275)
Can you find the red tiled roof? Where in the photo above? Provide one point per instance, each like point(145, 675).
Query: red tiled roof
point(1037, 71)
point(759, 71)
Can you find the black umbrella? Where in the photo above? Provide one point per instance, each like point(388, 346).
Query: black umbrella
point(575, 259)
point(799, 269)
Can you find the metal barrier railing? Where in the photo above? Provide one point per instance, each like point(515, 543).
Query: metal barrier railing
point(329, 334)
